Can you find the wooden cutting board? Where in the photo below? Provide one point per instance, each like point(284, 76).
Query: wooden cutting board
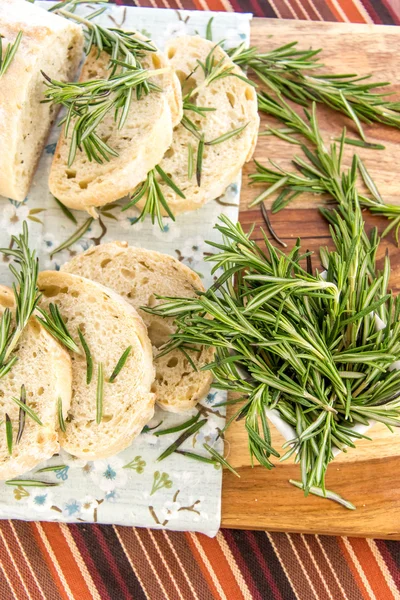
point(368, 476)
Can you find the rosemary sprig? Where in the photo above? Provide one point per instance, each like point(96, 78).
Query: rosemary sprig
point(54, 323)
point(182, 438)
point(300, 343)
point(328, 494)
point(89, 102)
point(26, 296)
point(99, 393)
point(11, 50)
point(155, 200)
point(120, 364)
point(320, 171)
point(88, 354)
point(61, 422)
point(291, 73)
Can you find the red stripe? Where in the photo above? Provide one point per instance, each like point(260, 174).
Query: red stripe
point(113, 565)
point(242, 565)
point(97, 579)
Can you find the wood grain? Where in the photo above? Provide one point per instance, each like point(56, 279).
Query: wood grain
point(368, 476)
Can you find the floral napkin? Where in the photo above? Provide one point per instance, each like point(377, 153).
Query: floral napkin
point(130, 488)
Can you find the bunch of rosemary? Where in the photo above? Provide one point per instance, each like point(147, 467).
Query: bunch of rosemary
point(303, 343)
point(88, 103)
point(289, 72)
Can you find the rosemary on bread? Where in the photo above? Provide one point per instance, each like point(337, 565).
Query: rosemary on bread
point(304, 344)
point(288, 71)
point(26, 297)
point(10, 52)
point(89, 102)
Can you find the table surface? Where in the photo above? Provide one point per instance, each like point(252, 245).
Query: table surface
point(368, 476)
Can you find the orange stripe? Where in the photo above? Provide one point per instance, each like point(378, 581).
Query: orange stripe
point(64, 556)
point(371, 568)
point(352, 12)
point(11, 573)
point(353, 569)
point(202, 566)
point(51, 565)
point(221, 567)
point(334, 10)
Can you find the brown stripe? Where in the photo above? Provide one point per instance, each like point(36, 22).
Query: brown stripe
point(10, 571)
point(180, 543)
point(162, 562)
point(323, 565)
point(309, 567)
point(24, 532)
point(134, 547)
point(300, 583)
point(340, 566)
point(23, 567)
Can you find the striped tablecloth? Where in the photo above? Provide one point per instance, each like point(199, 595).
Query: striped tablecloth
point(81, 562)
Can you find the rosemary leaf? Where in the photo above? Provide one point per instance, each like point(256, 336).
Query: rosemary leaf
point(21, 425)
point(74, 237)
point(89, 360)
point(209, 35)
point(51, 469)
point(31, 483)
point(220, 459)
point(61, 422)
point(181, 439)
point(180, 427)
point(155, 201)
point(120, 364)
point(199, 160)
point(226, 136)
point(99, 393)
point(198, 457)
point(66, 211)
point(29, 411)
point(325, 494)
point(9, 434)
point(190, 170)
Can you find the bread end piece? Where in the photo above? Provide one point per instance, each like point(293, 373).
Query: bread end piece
point(51, 44)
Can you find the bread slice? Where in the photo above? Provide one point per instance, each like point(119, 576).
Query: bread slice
point(235, 104)
point(137, 275)
point(48, 43)
point(109, 325)
point(141, 143)
point(44, 367)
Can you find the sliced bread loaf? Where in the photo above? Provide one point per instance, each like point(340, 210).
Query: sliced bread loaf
point(48, 43)
point(235, 105)
point(137, 275)
point(100, 425)
point(140, 143)
point(44, 368)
